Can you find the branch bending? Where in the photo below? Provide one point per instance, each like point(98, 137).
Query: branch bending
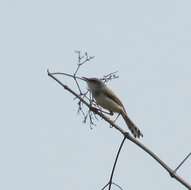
point(96, 111)
point(126, 134)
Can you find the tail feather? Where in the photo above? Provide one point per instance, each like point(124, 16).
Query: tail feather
point(132, 127)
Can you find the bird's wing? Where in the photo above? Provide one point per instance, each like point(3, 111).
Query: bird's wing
point(111, 94)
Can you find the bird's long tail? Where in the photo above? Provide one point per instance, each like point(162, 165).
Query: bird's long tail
point(132, 127)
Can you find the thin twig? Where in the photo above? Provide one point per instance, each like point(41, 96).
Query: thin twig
point(82, 59)
point(117, 186)
point(62, 73)
point(182, 162)
point(112, 184)
point(105, 186)
point(116, 159)
point(109, 77)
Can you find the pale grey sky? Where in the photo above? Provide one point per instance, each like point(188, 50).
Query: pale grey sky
point(43, 142)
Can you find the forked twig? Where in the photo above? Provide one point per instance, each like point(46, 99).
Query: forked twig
point(113, 169)
point(82, 59)
point(112, 183)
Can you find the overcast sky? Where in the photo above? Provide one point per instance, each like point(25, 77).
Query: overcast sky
point(43, 142)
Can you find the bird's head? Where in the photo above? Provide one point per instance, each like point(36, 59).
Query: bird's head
point(94, 83)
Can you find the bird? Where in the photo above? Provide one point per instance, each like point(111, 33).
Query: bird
point(107, 99)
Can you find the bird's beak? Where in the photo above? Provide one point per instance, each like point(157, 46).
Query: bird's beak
point(85, 79)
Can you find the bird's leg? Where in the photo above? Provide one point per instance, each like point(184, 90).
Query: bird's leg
point(115, 118)
point(111, 113)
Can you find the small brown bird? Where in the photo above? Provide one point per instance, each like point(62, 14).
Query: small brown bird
point(106, 98)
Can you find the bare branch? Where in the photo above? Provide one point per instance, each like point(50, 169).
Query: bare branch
point(125, 134)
